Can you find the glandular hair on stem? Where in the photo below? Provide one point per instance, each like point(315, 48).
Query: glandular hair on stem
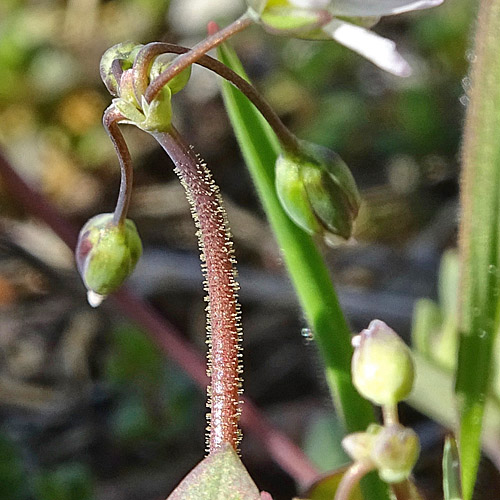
point(204, 198)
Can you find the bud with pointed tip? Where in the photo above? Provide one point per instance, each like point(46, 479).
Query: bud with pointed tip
point(318, 192)
point(106, 254)
point(395, 452)
point(382, 365)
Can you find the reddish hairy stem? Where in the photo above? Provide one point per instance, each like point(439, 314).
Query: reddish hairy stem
point(283, 451)
point(185, 60)
point(110, 121)
point(223, 321)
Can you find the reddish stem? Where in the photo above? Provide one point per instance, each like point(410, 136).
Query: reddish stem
point(183, 61)
point(144, 60)
point(406, 490)
point(110, 121)
point(351, 478)
point(224, 366)
point(283, 451)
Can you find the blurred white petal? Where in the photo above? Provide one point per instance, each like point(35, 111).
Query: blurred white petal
point(191, 18)
point(373, 47)
point(310, 4)
point(355, 8)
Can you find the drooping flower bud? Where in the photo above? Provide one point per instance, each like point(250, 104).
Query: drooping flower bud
point(318, 192)
point(116, 59)
point(128, 85)
point(106, 254)
point(161, 63)
point(395, 452)
point(382, 365)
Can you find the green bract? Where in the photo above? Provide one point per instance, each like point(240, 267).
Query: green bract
point(382, 365)
point(317, 190)
point(106, 254)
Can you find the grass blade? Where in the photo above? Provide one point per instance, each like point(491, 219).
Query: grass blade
point(304, 262)
point(479, 233)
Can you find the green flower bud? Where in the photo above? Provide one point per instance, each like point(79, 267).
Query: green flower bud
point(395, 452)
point(301, 18)
point(124, 53)
point(382, 365)
point(106, 254)
point(161, 63)
point(318, 192)
point(359, 445)
point(118, 76)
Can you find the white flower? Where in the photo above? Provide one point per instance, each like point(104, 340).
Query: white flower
point(326, 19)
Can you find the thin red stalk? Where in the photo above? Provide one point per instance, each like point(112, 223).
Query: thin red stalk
point(223, 321)
point(185, 60)
point(405, 491)
point(351, 478)
point(283, 451)
point(110, 121)
point(146, 55)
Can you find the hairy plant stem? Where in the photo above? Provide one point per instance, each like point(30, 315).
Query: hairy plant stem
point(169, 340)
point(351, 478)
point(185, 60)
point(144, 60)
point(110, 121)
point(224, 366)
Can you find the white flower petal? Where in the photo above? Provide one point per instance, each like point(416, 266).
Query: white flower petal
point(373, 47)
point(310, 4)
point(360, 8)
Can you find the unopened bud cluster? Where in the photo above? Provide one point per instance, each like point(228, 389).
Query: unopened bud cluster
point(393, 450)
point(127, 85)
point(383, 372)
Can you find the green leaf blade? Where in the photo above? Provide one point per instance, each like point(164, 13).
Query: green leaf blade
point(480, 229)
